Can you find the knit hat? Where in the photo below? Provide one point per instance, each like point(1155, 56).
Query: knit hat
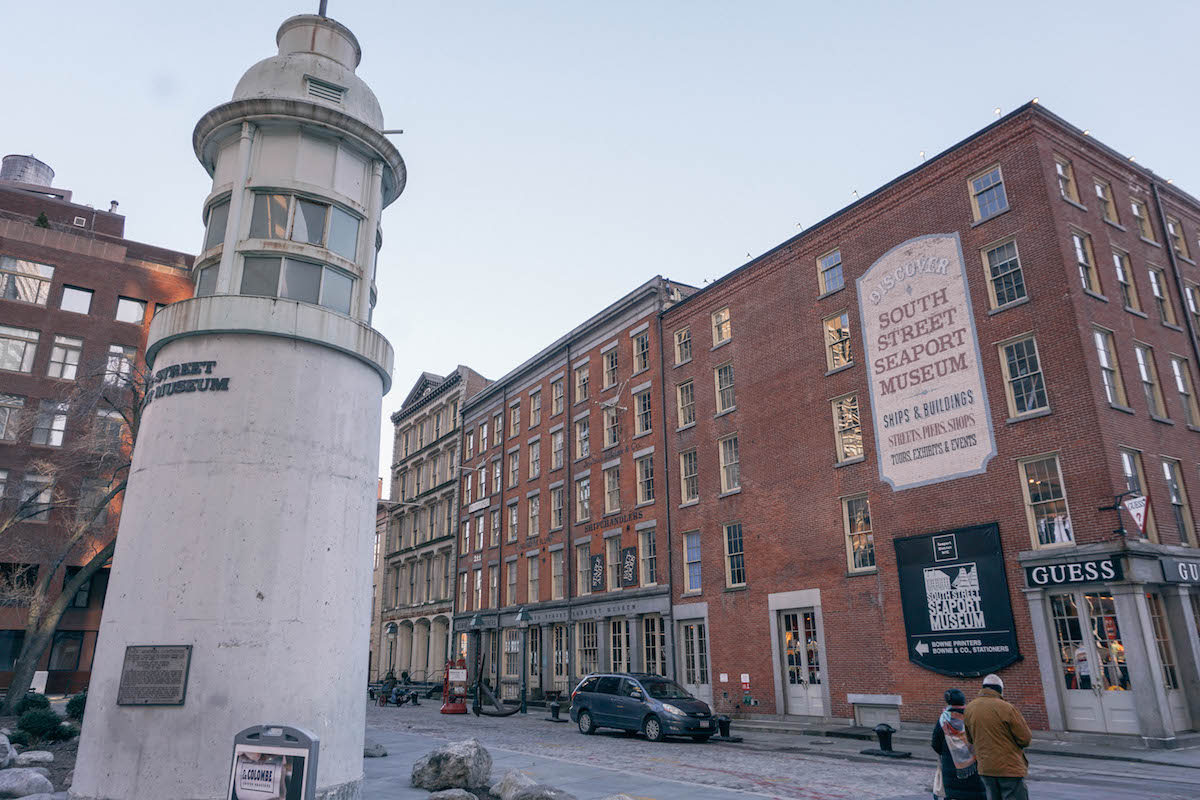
point(994, 680)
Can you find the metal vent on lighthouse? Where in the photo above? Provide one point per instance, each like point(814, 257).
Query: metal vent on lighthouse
point(324, 91)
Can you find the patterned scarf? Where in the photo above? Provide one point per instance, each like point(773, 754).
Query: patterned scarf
point(956, 739)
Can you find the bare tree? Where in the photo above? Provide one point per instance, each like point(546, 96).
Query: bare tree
point(93, 427)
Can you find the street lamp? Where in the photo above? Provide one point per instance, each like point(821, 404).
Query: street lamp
point(391, 637)
point(523, 624)
point(477, 627)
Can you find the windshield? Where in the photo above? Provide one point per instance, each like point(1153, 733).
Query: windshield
point(665, 690)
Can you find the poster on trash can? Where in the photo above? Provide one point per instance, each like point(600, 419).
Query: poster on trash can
point(262, 772)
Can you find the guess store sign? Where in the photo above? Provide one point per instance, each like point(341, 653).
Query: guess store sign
point(1096, 570)
point(1181, 570)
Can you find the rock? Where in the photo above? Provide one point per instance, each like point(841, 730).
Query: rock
point(540, 791)
point(31, 757)
point(44, 796)
point(617, 797)
point(452, 794)
point(511, 783)
point(20, 782)
point(457, 765)
point(374, 750)
point(7, 752)
point(67, 781)
point(39, 770)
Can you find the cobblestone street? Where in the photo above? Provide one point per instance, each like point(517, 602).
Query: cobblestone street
point(764, 765)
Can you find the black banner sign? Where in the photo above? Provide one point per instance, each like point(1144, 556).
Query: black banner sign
point(954, 592)
point(598, 573)
point(1098, 569)
point(1181, 570)
point(629, 572)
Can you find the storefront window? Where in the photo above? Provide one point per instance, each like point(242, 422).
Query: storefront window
point(1073, 657)
point(1110, 653)
point(1162, 639)
point(587, 647)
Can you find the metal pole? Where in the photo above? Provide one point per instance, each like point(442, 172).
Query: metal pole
point(524, 667)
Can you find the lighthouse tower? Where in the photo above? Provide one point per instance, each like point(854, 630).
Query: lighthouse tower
point(246, 535)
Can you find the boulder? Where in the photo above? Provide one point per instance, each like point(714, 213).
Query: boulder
point(40, 770)
point(512, 783)
point(31, 757)
point(44, 796)
point(617, 797)
point(374, 750)
point(20, 782)
point(452, 794)
point(7, 752)
point(540, 791)
point(457, 765)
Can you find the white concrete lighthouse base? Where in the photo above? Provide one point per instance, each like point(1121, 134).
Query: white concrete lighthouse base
point(246, 533)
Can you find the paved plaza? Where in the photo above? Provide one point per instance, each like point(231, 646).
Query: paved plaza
point(764, 765)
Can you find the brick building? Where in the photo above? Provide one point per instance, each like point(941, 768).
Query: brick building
point(74, 295)
point(563, 510)
point(418, 555)
point(893, 436)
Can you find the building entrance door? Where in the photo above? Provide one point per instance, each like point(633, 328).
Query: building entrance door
point(1096, 682)
point(801, 651)
point(694, 661)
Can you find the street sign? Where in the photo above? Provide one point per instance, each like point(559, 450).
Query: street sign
point(1136, 506)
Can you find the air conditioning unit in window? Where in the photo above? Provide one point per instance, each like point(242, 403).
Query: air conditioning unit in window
point(80, 222)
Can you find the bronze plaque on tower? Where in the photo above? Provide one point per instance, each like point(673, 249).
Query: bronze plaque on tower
point(154, 675)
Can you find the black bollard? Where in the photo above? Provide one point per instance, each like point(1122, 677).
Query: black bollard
point(554, 709)
point(723, 725)
point(884, 732)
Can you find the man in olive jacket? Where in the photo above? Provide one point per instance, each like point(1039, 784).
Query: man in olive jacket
point(999, 734)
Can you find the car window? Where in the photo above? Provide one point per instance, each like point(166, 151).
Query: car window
point(589, 685)
point(628, 687)
point(607, 685)
point(666, 690)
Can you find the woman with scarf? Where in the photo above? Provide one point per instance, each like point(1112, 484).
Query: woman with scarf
point(960, 778)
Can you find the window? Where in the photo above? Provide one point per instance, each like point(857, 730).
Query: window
point(581, 384)
point(1085, 261)
point(50, 423)
point(77, 301)
point(612, 426)
point(731, 476)
point(496, 475)
point(683, 345)
point(64, 358)
point(421, 434)
point(612, 552)
point(1066, 179)
point(130, 310)
point(860, 542)
point(1110, 371)
point(1006, 280)
point(37, 494)
point(1135, 481)
point(645, 479)
point(466, 487)
point(514, 468)
point(25, 281)
point(583, 499)
point(556, 575)
point(514, 420)
point(1129, 295)
point(847, 428)
point(17, 346)
point(1149, 375)
point(1183, 385)
point(557, 449)
point(641, 352)
point(478, 588)
point(1191, 294)
point(483, 437)
point(10, 413)
point(691, 561)
point(612, 490)
point(1162, 296)
point(311, 223)
point(1046, 502)
point(722, 327)
point(556, 508)
point(655, 645)
point(514, 518)
point(648, 552)
point(510, 585)
point(293, 279)
point(535, 460)
point(1107, 206)
point(583, 566)
point(462, 591)
point(621, 653)
point(587, 648)
point(987, 194)
point(535, 408)
point(1176, 237)
point(83, 596)
point(495, 522)
point(1177, 494)
point(735, 557)
point(478, 531)
point(582, 438)
point(497, 430)
point(64, 653)
point(533, 580)
point(685, 396)
point(1142, 217)
point(611, 362)
point(494, 586)
point(218, 221)
point(837, 341)
point(689, 477)
point(535, 512)
point(1023, 381)
point(829, 272)
point(723, 378)
point(206, 281)
point(1162, 641)
point(641, 413)
point(556, 397)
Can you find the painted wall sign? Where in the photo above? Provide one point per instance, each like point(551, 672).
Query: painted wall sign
point(928, 400)
point(1181, 570)
point(174, 380)
point(1098, 569)
point(597, 570)
point(957, 612)
point(609, 522)
point(629, 572)
point(154, 675)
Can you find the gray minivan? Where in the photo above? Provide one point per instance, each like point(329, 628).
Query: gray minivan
point(634, 702)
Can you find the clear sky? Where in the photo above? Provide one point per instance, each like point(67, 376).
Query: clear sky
point(561, 153)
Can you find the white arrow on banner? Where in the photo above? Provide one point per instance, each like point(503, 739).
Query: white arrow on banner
point(1136, 506)
point(921, 648)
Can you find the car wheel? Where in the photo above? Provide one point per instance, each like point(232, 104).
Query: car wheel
point(702, 738)
point(653, 729)
point(586, 725)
